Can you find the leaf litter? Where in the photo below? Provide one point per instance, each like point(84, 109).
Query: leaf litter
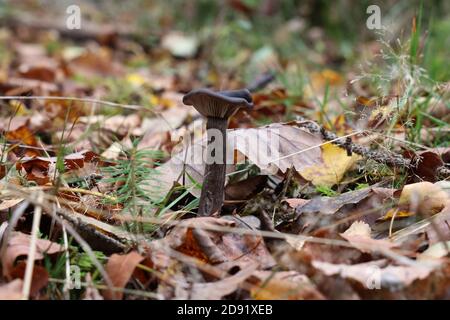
point(352, 201)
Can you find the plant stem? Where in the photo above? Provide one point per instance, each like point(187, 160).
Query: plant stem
point(212, 196)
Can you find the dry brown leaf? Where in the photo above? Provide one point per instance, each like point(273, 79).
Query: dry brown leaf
point(436, 251)
point(42, 170)
point(218, 289)
point(11, 290)
point(424, 198)
point(439, 229)
point(376, 274)
point(39, 278)
point(296, 202)
point(324, 211)
point(245, 189)
point(120, 268)
point(120, 124)
point(359, 235)
point(23, 136)
point(9, 203)
point(224, 249)
point(95, 62)
point(427, 163)
point(19, 245)
point(285, 285)
point(2, 170)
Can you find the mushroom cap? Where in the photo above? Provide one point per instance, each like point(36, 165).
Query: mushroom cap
point(218, 104)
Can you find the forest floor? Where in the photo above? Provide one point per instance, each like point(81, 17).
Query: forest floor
point(98, 201)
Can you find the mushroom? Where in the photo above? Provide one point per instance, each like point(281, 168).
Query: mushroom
point(217, 107)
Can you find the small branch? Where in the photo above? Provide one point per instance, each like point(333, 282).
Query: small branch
point(67, 256)
point(75, 190)
point(378, 156)
point(32, 251)
point(261, 82)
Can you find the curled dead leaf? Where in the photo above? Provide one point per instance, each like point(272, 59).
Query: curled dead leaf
point(376, 274)
point(285, 285)
point(218, 289)
point(197, 238)
point(120, 268)
point(42, 170)
point(359, 235)
point(19, 245)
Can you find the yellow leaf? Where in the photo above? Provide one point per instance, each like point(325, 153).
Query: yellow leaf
point(154, 100)
point(397, 213)
point(135, 79)
point(320, 79)
point(330, 172)
point(18, 107)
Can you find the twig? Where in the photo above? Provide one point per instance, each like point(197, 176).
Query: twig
point(48, 209)
point(67, 256)
point(114, 289)
point(316, 146)
point(89, 100)
point(32, 251)
point(381, 157)
point(261, 82)
point(76, 190)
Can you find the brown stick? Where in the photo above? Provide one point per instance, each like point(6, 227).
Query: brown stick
point(212, 196)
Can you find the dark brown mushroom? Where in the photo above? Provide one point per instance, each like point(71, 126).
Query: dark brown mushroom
point(217, 107)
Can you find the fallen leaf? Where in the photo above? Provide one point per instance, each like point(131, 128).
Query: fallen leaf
point(19, 245)
point(426, 165)
point(42, 170)
point(168, 120)
point(22, 136)
point(120, 268)
point(396, 214)
point(39, 278)
point(9, 203)
point(436, 228)
point(436, 251)
point(439, 229)
point(324, 211)
point(335, 164)
point(3, 170)
point(216, 290)
point(284, 285)
point(245, 189)
point(424, 198)
point(38, 72)
point(279, 146)
point(376, 274)
point(296, 202)
point(11, 290)
point(220, 248)
point(325, 77)
point(95, 62)
point(359, 235)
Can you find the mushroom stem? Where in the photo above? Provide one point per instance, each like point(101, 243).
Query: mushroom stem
point(212, 195)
